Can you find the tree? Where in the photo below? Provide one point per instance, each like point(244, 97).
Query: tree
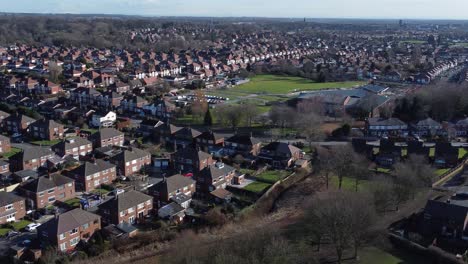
point(250, 112)
point(344, 217)
point(208, 120)
point(346, 163)
point(54, 72)
point(310, 127)
point(199, 104)
point(324, 163)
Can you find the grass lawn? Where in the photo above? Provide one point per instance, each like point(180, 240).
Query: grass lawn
point(441, 172)
point(432, 152)
point(257, 187)
point(413, 41)
point(74, 202)
point(90, 130)
point(372, 255)
point(20, 225)
point(100, 191)
point(275, 84)
point(45, 142)
point(462, 152)
point(12, 152)
point(272, 176)
point(382, 170)
point(4, 231)
point(349, 183)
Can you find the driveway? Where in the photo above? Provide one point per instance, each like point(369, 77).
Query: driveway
point(6, 243)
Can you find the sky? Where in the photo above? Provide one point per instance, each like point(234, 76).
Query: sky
point(395, 9)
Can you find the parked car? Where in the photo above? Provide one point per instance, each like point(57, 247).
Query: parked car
point(32, 227)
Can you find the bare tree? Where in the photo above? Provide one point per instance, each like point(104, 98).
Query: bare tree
point(343, 217)
point(310, 127)
point(345, 162)
point(324, 163)
point(54, 71)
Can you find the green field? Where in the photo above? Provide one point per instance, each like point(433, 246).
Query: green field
point(4, 231)
point(372, 255)
point(46, 142)
point(350, 183)
point(257, 187)
point(20, 224)
point(263, 90)
point(462, 152)
point(12, 152)
point(272, 176)
point(413, 41)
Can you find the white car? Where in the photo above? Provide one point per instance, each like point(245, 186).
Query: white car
point(32, 227)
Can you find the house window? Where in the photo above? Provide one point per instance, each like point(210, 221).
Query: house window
point(63, 246)
point(70, 184)
point(122, 213)
point(9, 207)
point(74, 241)
point(85, 226)
point(62, 236)
point(51, 199)
point(51, 191)
point(131, 210)
point(73, 231)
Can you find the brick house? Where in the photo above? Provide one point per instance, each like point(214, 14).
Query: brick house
point(191, 160)
point(45, 190)
point(131, 161)
point(383, 127)
point(280, 154)
point(171, 188)
point(17, 123)
point(75, 147)
point(12, 207)
point(107, 137)
point(427, 127)
point(66, 230)
point(129, 207)
point(210, 142)
point(214, 177)
point(90, 176)
point(5, 144)
point(31, 158)
point(46, 130)
point(242, 144)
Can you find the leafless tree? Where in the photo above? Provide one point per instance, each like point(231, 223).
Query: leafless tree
point(54, 71)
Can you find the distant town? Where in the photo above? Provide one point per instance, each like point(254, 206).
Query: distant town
point(203, 140)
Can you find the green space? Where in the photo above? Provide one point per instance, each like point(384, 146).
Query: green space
point(257, 187)
point(4, 231)
point(350, 183)
point(12, 152)
point(46, 142)
point(459, 44)
point(247, 171)
point(462, 153)
point(20, 224)
point(271, 176)
point(372, 255)
point(100, 191)
point(382, 170)
point(74, 202)
point(404, 152)
point(413, 41)
point(432, 152)
point(90, 130)
point(441, 172)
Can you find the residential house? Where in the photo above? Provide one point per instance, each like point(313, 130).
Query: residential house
point(171, 187)
point(90, 176)
point(5, 145)
point(461, 127)
point(76, 146)
point(46, 190)
point(12, 207)
point(280, 154)
point(384, 127)
point(131, 161)
point(17, 123)
point(148, 126)
point(107, 137)
point(214, 177)
point(129, 207)
point(245, 145)
point(103, 120)
point(66, 230)
point(427, 128)
point(190, 160)
point(210, 142)
point(31, 158)
point(161, 109)
point(46, 130)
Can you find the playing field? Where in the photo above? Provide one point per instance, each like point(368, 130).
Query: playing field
point(265, 89)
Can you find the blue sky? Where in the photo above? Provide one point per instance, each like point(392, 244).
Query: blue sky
point(435, 9)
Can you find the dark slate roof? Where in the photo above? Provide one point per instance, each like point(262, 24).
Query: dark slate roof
point(19, 118)
point(173, 208)
point(192, 154)
point(7, 198)
point(281, 147)
point(175, 182)
point(188, 132)
point(373, 88)
point(26, 174)
point(45, 183)
point(68, 221)
point(126, 227)
point(46, 124)
point(126, 200)
point(89, 168)
point(214, 171)
point(243, 139)
point(210, 135)
point(130, 154)
point(180, 198)
point(32, 153)
point(443, 210)
point(71, 143)
point(106, 133)
point(377, 121)
point(428, 122)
